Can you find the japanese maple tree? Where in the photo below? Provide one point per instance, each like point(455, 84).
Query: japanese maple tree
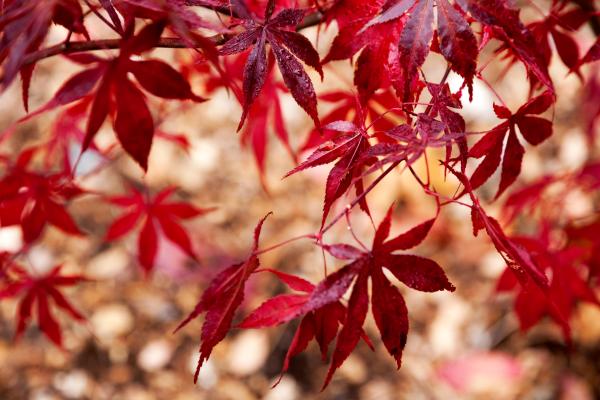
point(393, 117)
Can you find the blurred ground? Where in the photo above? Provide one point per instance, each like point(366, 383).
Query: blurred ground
point(462, 345)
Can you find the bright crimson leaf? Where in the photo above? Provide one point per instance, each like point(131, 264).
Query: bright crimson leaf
point(160, 218)
point(41, 291)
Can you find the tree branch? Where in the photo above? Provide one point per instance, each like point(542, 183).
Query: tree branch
point(111, 44)
point(104, 44)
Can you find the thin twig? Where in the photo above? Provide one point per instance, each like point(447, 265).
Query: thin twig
point(102, 18)
point(278, 245)
point(352, 231)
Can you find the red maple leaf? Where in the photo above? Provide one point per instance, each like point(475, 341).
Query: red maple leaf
point(158, 216)
point(560, 26)
point(221, 300)
point(501, 21)
point(388, 306)
point(321, 323)
point(534, 129)
point(32, 199)
point(110, 9)
point(408, 143)
point(567, 286)
point(401, 30)
point(40, 291)
point(376, 65)
point(108, 80)
point(287, 47)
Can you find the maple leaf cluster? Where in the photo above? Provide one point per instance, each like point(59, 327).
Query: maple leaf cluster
point(390, 118)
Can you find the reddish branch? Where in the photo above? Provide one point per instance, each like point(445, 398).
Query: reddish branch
point(104, 44)
point(112, 44)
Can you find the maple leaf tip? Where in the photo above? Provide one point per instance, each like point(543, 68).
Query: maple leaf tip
point(327, 380)
point(181, 325)
point(198, 99)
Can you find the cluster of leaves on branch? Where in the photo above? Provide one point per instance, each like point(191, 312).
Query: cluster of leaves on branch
point(391, 118)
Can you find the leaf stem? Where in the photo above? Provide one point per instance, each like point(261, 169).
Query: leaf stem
point(94, 10)
point(348, 222)
point(482, 79)
point(278, 245)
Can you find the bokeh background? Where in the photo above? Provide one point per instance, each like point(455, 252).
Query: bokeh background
point(461, 345)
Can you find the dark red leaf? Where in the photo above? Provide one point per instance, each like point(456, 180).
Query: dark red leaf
point(390, 314)
point(511, 164)
point(133, 123)
point(414, 43)
point(112, 13)
point(350, 334)
point(297, 81)
point(57, 216)
point(78, 86)
point(145, 40)
point(492, 145)
point(332, 288)
point(254, 75)
point(162, 80)
point(302, 338)
point(505, 24)
point(396, 10)
point(301, 47)
point(241, 42)
point(593, 53)
point(418, 273)
point(294, 282)
point(147, 245)
point(534, 129)
point(221, 300)
point(275, 311)
point(176, 234)
point(99, 110)
point(537, 105)
point(567, 49)
point(457, 42)
point(274, 30)
point(408, 239)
